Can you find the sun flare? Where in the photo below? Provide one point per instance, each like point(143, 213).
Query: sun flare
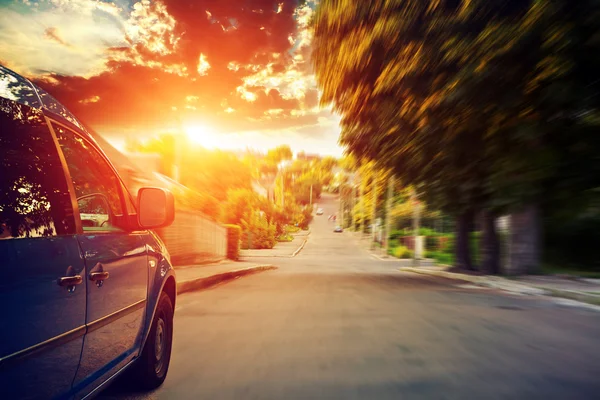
point(203, 136)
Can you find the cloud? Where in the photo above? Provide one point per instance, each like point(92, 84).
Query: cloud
point(53, 34)
point(235, 65)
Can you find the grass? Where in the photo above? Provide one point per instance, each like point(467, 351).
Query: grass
point(590, 299)
point(440, 257)
point(291, 229)
point(551, 269)
point(286, 237)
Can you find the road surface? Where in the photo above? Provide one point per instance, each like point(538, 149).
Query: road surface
point(335, 323)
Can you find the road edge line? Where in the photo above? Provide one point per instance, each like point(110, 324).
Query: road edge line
point(299, 248)
point(213, 280)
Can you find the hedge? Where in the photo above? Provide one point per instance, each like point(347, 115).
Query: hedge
point(234, 233)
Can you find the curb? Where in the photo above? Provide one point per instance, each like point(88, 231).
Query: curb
point(404, 260)
point(592, 299)
point(485, 281)
point(589, 300)
point(210, 281)
point(299, 248)
point(278, 256)
point(301, 233)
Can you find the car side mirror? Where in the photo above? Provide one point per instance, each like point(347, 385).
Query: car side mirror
point(156, 208)
point(94, 211)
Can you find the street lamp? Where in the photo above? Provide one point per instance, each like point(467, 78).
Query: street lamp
point(281, 169)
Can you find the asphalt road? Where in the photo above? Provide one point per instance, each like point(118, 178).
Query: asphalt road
point(335, 323)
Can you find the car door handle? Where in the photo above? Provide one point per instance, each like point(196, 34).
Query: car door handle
point(70, 280)
point(98, 276)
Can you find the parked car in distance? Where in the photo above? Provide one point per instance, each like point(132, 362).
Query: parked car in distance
point(320, 211)
point(338, 229)
point(88, 290)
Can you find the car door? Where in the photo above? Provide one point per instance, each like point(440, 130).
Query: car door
point(42, 293)
point(116, 262)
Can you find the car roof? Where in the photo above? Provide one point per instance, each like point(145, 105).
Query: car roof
point(19, 89)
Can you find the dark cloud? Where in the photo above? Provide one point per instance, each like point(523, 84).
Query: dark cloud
point(53, 35)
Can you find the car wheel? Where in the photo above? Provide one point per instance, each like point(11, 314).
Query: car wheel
point(152, 366)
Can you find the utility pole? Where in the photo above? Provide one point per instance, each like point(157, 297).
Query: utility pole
point(362, 209)
point(340, 205)
point(416, 223)
point(352, 205)
point(374, 210)
point(388, 213)
point(311, 185)
point(282, 191)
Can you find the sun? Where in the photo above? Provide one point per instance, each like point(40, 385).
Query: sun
point(203, 135)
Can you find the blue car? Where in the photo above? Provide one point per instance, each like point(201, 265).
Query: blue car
point(87, 289)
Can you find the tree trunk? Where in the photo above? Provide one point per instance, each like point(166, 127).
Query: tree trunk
point(489, 244)
point(525, 234)
point(462, 248)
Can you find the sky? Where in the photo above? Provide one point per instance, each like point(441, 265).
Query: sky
point(230, 73)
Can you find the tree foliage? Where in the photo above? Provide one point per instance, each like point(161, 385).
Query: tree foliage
point(470, 99)
point(481, 104)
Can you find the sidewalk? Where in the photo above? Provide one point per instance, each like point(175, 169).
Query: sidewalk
point(281, 249)
point(583, 290)
point(196, 277)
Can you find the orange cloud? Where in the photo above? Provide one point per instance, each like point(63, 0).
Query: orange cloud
point(233, 67)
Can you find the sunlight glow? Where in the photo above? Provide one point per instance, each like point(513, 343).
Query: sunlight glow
point(203, 136)
point(203, 65)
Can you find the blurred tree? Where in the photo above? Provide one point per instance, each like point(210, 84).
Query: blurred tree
point(470, 100)
point(328, 163)
point(279, 154)
point(301, 187)
point(215, 172)
point(239, 206)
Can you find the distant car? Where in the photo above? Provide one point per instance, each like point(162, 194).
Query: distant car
point(88, 289)
point(338, 229)
point(320, 211)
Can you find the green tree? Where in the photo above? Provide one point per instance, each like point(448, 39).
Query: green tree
point(468, 100)
point(239, 206)
point(280, 153)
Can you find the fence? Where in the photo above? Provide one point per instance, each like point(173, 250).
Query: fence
point(194, 239)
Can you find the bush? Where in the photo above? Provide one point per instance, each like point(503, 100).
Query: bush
point(306, 218)
point(402, 252)
point(234, 233)
point(292, 229)
point(427, 232)
point(396, 234)
point(441, 258)
point(261, 233)
point(432, 243)
point(286, 237)
point(446, 244)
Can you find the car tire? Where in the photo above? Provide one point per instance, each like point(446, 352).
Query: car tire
point(151, 368)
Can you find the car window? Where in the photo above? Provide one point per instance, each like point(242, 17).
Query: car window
point(16, 88)
point(97, 187)
point(51, 104)
point(129, 201)
point(34, 196)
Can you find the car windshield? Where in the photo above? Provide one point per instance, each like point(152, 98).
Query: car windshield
point(388, 199)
